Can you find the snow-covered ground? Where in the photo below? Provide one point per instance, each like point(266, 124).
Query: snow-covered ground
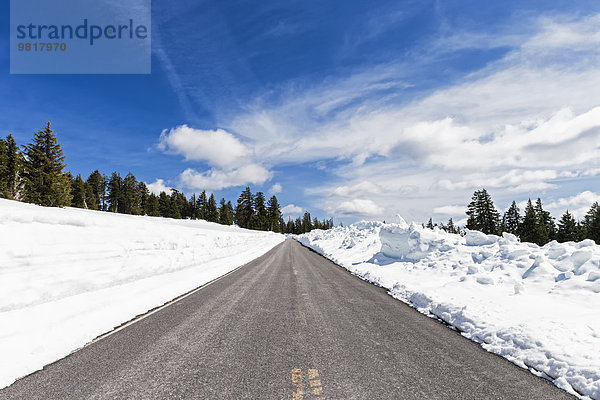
point(537, 306)
point(69, 275)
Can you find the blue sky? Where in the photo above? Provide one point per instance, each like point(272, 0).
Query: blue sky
point(354, 109)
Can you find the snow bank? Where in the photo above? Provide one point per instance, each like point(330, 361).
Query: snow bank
point(537, 306)
point(69, 275)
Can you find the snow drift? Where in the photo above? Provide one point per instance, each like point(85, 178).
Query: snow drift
point(69, 275)
point(537, 306)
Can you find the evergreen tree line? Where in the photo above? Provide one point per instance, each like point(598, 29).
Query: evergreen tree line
point(535, 225)
point(449, 227)
point(254, 212)
point(35, 175)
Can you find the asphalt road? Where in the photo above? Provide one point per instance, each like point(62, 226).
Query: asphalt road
point(289, 325)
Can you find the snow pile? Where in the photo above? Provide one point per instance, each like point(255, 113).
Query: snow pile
point(537, 306)
point(69, 275)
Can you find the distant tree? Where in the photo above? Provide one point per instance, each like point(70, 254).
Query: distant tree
point(244, 211)
point(316, 224)
point(225, 213)
point(282, 225)
point(260, 212)
point(512, 219)
point(130, 197)
point(115, 196)
point(96, 182)
point(450, 227)
point(11, 169)
point(165, 207)
point(201, 205)
point(273, 215)
point(3, 174)
point(230, 212)
point(581, 230)
point(45, 182)
point(546, 227)
point(591, 223)
point(178, 205)
point(212, 213)
point(298, 229)
point(193, 205)
point(289, 226)
point(306, 225)
point(429, 224)
point(152, 206)
point(143, 194)
point(567, 228)
point(78, 193)
point(528, 231)
point(483, 215)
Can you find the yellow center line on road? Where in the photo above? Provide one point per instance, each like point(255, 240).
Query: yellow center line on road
point(314, 382)
point(298, 393)
point(302, 317)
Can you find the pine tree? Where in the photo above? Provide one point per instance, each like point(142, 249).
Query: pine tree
point(178, 205)
point(545, 224)
point(581, 231)
point(231, 213)
point(130, 199)
point(115, 186)
point(45, 182)
point(306, 225)
point(164, 205)
point(3, 169)
point(97, 185)
point(512, 219)
point(289, 227)
point(591, 223)
point(316, 224)
point(152, 206)
point(143, 194)
point(201, 205)
point(212, 213)
point(567, 228)
point(225, 213)
point(12, 170)
point(273, 215)
point(244, 211)
point(282, 225)
point(429, 224)
point(528, 231)
point(260, 212)
point(483, 215)
point(78, 193)
point(450, 227)
point(193, 205)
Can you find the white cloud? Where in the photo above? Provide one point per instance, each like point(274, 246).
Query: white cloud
point(578, 205)
point(484, 123)
point(358, 207)
point(514, 180)
point(216, 179)
point(230, 159)
point(158, 186)
point(216, 147)
point(523, 125)
point(291, 209)
point(276, 188)
point(360, 188)
point(450, 210)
